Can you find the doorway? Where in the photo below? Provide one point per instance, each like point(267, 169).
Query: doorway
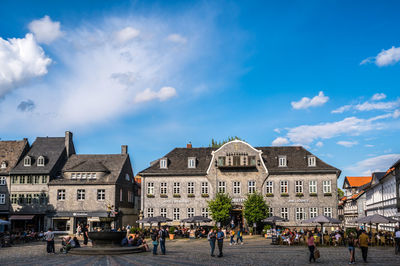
point(236, 218)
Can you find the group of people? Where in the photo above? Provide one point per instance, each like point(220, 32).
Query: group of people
point(135, 241)
point(158, 237)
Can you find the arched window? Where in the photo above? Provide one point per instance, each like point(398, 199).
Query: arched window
point(40, 161)
point(27, 161)
point(3, 165)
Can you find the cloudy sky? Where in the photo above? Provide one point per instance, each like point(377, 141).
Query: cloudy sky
point(158, 74)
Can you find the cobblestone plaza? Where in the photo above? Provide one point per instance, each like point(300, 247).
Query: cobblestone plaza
point(255, 251)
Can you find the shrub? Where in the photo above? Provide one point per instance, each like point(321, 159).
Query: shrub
point(171, 230)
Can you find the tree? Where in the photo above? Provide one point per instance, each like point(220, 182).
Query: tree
point(217, 144)
point(220, 208)
point(255, 208)
point(340, 193)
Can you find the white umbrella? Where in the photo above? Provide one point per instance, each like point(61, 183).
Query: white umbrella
point(322, 219)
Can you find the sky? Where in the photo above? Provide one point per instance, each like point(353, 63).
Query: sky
point(156, 75)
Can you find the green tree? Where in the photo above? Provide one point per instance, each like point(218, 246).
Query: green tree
point(217, 144)
point(340, 193)
point(255, 208)
point(220, 208)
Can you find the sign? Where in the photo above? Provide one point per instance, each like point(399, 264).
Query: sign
point(79, 214)
point(175, 201)
point(299, 201)
point(238, 200)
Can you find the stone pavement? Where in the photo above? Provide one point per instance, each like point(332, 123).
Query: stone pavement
point(255, 251)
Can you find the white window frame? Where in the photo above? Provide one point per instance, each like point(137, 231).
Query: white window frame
point(327, 186)
point(176, 214)
point(312, 161)
point(80, 194)
point(164, 163)
point(204, 212)
point(270, 211)
point(27, 161)
point(61, 194)
point(191, 162)
point(190, 187)
point(221, 186)
point(163, 188)
point(282, 161)
point(40, 161)
point(237, 188)
point(285, 213)
point(284, 187)
point(150, 188)
point(163, 212)
point(190, 212)
point(102, 194)
point(251, 186)
point(313, 186)
point(300, 214)
point(150, 212)
point(269, 187)
point(73, 176)
point(298, 186)
point(2, 198)
point(328, 211)
point(177, 187)
point(313, 212)
point(3, 180)
point(3, 165)
point(204, 187)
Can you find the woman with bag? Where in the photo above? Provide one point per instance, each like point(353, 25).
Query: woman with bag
point(311, 246)
point(351, 242)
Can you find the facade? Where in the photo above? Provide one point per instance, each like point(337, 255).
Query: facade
point(98, 190)
point(383, 197)
point(295, 183)
point(29, 180)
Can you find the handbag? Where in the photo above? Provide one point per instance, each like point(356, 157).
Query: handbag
point(316, 254)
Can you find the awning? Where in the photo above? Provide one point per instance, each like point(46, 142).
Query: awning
point(21, 217)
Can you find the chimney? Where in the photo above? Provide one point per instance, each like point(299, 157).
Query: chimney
point(189, 145)
point(69, 145)
point(124, 149)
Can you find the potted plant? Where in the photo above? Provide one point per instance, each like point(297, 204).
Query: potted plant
point(251, 231)
point(266, 228)
point(269, 195)
point(284, 195)
point(327, 194)
point(313, 194)
point(150, 195)
point(171, 231)
point(299, 194)
point(163, 196)
point(176, 195)
point(204, 195)
point(190, 195)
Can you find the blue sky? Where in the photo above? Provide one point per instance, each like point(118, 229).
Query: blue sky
point(158, 74)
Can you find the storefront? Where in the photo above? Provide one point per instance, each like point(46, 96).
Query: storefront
point(31, 222)
point(68, 222)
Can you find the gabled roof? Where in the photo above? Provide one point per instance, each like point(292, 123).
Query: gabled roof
point(356, 196)
point(51, 148)
point(357, 181)
point(110, 164)
point(11, 152)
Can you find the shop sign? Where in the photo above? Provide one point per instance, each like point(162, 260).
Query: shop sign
point(299, 201)
point(79, 214)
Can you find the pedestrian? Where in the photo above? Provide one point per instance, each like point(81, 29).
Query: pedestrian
point(311, 246)
point(232, 233)
point(397, 240)
point(351, 244)
point(211, 238)
point(49, 237)
point(78, 230)
point(162, 236)
point(239, 236)
point(154, 238)
point(220, 239)
point(363, 241)
point(85, 232)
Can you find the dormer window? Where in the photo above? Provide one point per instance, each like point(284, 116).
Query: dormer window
point(282, 161)
point(127, 177)
point(27, 161)
point(163, 163)
point(192, 162)
point(3, 165)
point(312, 161)
point(40, 161)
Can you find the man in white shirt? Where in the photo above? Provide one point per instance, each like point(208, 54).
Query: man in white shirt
point(49, 237)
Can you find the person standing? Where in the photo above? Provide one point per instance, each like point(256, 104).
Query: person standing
point(211, 238)
point(351, 243)
point(85, 232)
point(49, 237)
point(220, 239)
point(311, 246)
point(78, 230)
point(154, 238)
point(162, 236)
point(397, 241)
point(363, 242)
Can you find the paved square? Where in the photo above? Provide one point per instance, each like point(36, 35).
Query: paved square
point(255, 251)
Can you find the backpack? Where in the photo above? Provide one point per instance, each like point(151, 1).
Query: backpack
point(154, 237)
point(164, 234)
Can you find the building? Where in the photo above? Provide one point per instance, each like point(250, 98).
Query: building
point(11, 152)
point(354, 199)
point(295, 183)
point(97, 189)
point(383, 197)
point(29, 181)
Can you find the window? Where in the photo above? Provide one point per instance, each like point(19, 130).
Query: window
point(22, 179)
point(236, 160)
point(221, 161)
point(150, 188)
point(93, 175)
point(236, 187)
point(252, 187)
point(121, 194)
point(270, 212)
point(36, 179)
point(83, 176)
point(192, 163)
point(252, 160)
point(150, 212)
point(78, 175)
point(328, 211)
point(284, 187)
point(2, 198)
point(130, 196)
point(101, 194)
point(177, 188)
point(190, 212)
point(312, 161)
point(21, 199)
point(282, 161)
point(327, 186)
point(313, 212)
point(36, 198)
point(299, 186)
point(204, 212)
point(244, 160)
point(73, 176)
point(163, 212)
point(61, 194)
point(313, 187)
point(29, 179)
point(43, 199)
point(204, 187)
point(80, 195)
point(14, 198)
point(28, 199)
point(127, 177)
point(44, 179)
point(40, 161)
point(176, 214)
point(300, 214)
point(269, 187)
point(190, 187)
point(163, 163)
point(3, 165)
point(14, 179)
point(163, 188)
point(221, 187)
point(27, 161)
point(285, 213)
point(3, 181)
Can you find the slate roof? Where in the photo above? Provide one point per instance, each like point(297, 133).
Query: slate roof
point(357, 181)
point(49, 147)
point(296, 161)
point(110, 164)
point(10, 152)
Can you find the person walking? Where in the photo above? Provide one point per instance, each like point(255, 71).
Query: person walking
point(351, 244)
point(239, 236)
point(211, 238)
point(85, 232)
point(162, 236)
point(397, 241)
point(220, 239)
point(363, 241)
point(79, 230)
point(311, 246)
point(49, 237)
point(154, 238)
point(232, 233)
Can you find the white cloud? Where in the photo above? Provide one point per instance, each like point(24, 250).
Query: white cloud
point(21, 59)
point(45, 30)
point(126, 34)
point(396, 114)
point(369, 145)
point(347, 144)
point(277, 130)
point(279, 141)
point(319, 144)
point(342, 109)
point(376, 164)
point(385, 57)
point(306, 102)
point(176, 38)
point(148, 95)
point(378, 96)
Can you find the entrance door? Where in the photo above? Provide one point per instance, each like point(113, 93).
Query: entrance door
point(80, 221)
point(237, 218)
